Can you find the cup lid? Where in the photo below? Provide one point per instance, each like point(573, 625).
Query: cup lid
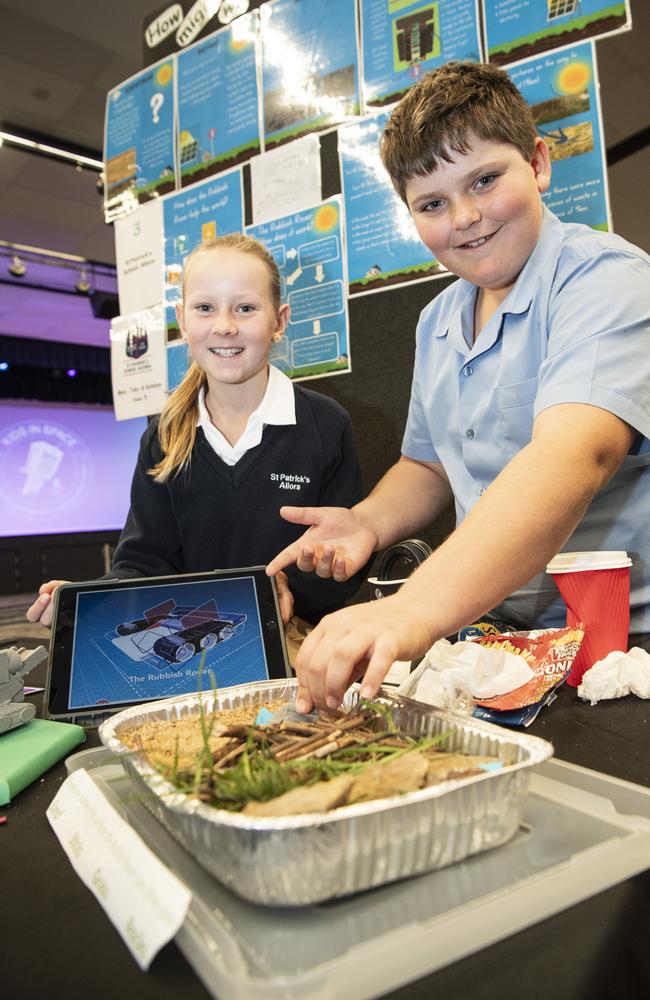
point(580, 562)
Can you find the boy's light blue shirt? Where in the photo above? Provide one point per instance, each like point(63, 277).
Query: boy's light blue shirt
point(575, 328)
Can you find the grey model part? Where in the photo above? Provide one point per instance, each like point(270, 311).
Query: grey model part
point(15, 663)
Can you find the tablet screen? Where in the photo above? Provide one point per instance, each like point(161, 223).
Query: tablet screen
point(136, 641)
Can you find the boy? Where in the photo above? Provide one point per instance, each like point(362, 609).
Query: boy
point(530, 403)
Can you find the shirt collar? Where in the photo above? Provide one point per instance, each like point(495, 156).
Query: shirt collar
point(279, 403)
point(278, 407)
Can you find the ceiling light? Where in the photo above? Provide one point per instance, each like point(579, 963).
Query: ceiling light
point(4, 366)
point(46, 149)
point(83, 285)
point(71, 372)
point(16, 267)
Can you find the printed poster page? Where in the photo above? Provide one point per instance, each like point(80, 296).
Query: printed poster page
point(402, 39)
point(138, 363)
point(307, 247)
point(309, 67)
point(218, 107)
point(518, 29)
point(139, 140)
point(383, 247)
point(286, 179)
point(139, 257)
point(562, 90)
point(210, 208)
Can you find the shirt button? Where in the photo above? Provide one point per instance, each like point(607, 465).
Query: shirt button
point(467, 370)
point(469, 433)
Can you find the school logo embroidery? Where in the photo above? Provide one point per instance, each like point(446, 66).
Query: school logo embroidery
point(46, 467)
point(289, 481)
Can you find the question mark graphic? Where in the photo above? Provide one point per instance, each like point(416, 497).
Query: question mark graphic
point(156, 103)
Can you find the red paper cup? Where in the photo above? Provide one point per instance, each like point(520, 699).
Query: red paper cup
point(596, 590)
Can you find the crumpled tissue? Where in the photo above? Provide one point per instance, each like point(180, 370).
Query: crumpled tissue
point(449, 670)
point(616, 675)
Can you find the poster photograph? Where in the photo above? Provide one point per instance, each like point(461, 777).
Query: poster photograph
point(218, 107)
point(307, 247)
point(139, 159)
point(402, 39)
point(562, 90)
point(518, 29)
point(309, 67)
point(383, 247)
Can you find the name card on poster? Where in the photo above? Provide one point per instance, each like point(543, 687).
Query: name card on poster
point(139, 258)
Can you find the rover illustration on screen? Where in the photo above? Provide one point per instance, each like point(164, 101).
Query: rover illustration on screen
point(175, 633)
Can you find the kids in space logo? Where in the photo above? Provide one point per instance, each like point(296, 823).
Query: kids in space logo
point(45, 467)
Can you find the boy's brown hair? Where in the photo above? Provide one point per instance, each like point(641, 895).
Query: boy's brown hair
point(440, 113)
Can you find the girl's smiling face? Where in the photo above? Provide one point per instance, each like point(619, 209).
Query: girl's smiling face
point(229, 318)
point(480, 215)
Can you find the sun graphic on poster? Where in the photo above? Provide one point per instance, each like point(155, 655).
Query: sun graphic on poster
point(326, 218)
point(573, 78)
point(164, 75)
point(238, 44)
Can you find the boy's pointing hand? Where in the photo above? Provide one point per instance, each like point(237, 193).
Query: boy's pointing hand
point(335, 545)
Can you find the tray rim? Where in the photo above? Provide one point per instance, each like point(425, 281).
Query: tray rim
point(178, 802)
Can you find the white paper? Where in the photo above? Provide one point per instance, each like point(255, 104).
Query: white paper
point(139, 258)
point(480, 671)
point(286, 179)
point(617, 675)
point(144, 901)
point(139, 363)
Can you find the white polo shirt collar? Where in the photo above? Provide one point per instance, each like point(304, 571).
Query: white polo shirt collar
point(278, 407)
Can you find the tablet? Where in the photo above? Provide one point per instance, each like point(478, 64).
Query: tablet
point(123, 642)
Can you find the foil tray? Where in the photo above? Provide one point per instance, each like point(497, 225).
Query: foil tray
point(300, 860)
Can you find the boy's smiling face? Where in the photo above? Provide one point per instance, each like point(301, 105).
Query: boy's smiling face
point(480, 215)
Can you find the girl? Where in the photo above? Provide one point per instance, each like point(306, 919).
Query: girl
point(235, 441)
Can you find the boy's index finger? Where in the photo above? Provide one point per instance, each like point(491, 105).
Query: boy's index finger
point(285, 558)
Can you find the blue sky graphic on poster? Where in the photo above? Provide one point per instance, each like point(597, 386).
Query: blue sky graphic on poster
point(109, 667)
point(139, 139)
point(561, 88)
point(402, 39)
point(218, 108)
point(383, 247)
point(519, 29)
point(307, 247)
point(309, 66)
point(210, 208)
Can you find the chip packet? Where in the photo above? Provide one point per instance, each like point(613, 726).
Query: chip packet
point(549, 653)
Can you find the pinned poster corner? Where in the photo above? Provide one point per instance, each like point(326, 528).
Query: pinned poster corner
point(139, 363)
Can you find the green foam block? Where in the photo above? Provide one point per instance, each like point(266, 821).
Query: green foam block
point(28, 751)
